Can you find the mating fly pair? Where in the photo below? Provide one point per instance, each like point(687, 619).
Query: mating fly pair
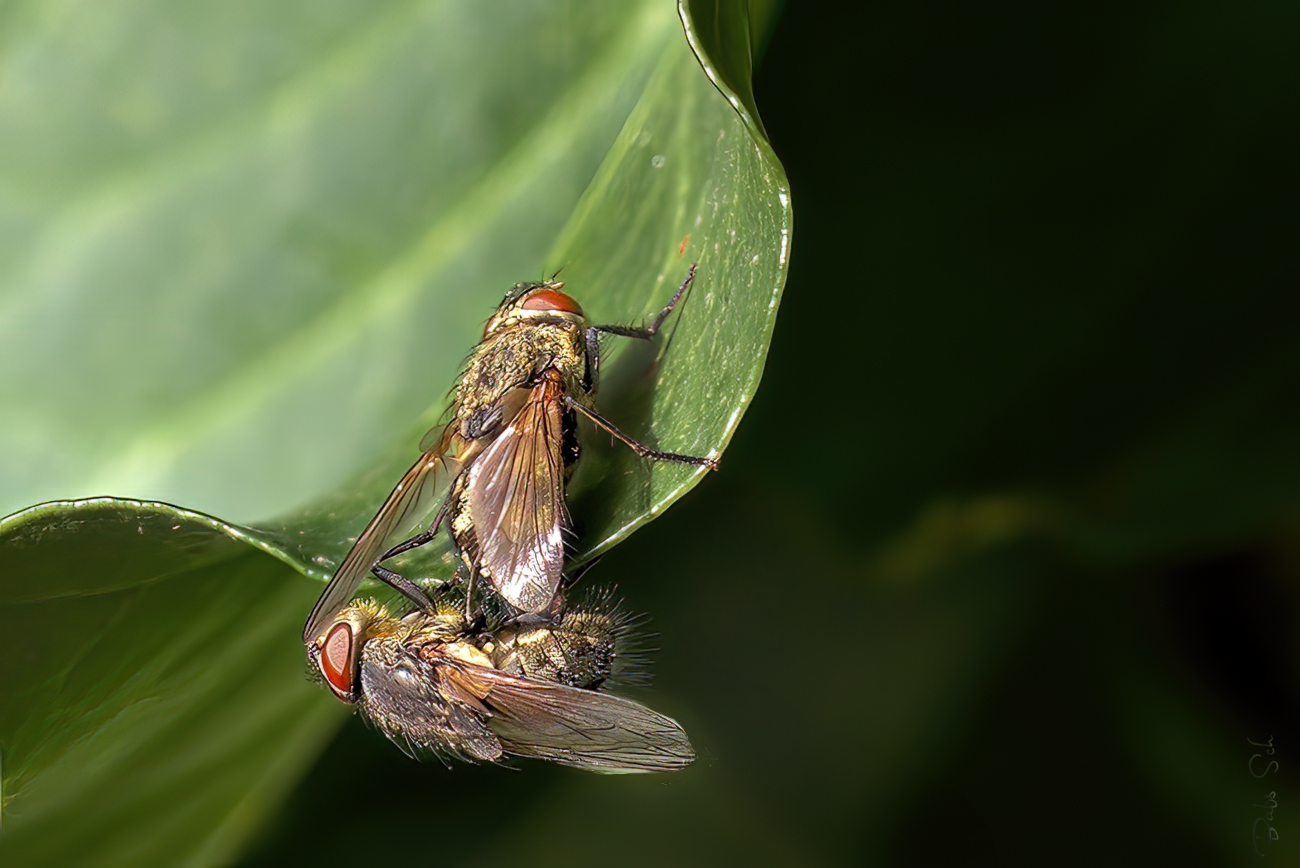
point(512, 443)
point(510, 448)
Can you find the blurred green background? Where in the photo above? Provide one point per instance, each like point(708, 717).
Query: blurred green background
point(1001, 567)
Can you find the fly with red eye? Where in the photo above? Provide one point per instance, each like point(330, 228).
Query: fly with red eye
point(435, 686)
point(509, 451)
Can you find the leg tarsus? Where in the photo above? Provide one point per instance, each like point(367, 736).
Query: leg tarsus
point(645, 333)
point(639, 449)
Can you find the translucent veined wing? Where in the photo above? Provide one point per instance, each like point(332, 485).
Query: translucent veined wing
point(572, 726)
point(516, 501)
point(411, 492)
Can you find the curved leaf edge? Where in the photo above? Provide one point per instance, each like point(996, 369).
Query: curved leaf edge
point(264, 542)
point(16, 521)
point(749, 388)
point(741, 103)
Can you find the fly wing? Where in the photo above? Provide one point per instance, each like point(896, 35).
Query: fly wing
point(575, 727)
point(411, 492)
point(516, 502)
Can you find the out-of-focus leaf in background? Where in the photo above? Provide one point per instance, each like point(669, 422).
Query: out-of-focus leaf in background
point(246, 249)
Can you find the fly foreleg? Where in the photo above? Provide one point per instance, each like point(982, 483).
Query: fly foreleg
point(641, 450)
point(645, 333)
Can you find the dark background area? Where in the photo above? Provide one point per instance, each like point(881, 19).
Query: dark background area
point(1001, 567)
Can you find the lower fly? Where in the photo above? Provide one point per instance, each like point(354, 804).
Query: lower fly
point(440, 686)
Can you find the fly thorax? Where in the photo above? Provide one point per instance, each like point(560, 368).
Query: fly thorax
point(515, 357)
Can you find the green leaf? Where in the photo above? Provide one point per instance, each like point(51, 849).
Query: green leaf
point(245, 248)
point(154, 704)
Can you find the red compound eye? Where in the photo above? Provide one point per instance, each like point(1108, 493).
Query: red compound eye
point(551, 299)
point(336, 660)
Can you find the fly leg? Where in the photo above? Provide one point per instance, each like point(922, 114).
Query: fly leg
point(401, 583)
point(469, 595)
point(639, 449)
point(413, 543)
point(396, 580)
point(578, 572)
point(645, 333)
point(465, 572)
